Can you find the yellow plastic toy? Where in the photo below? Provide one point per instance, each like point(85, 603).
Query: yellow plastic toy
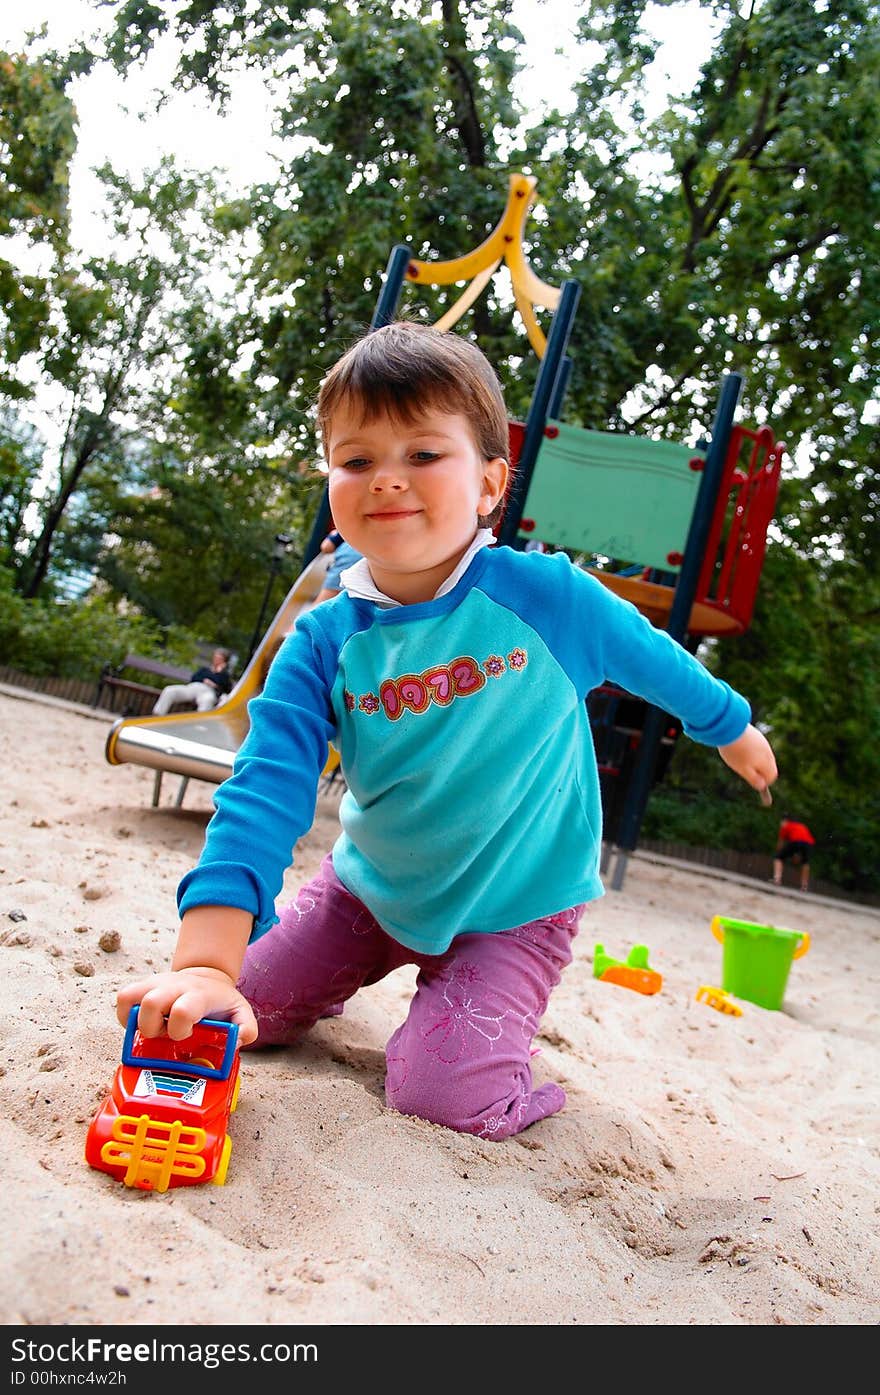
point(719, 999)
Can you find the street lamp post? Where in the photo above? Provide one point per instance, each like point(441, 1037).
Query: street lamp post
point(280, 548)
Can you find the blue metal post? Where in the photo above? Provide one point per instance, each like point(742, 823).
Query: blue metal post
point(554, 408)
point(389, 295)
point(545, 393)
point(704, 508)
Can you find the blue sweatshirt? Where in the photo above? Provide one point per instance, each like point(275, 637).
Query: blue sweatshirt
point(473, 794)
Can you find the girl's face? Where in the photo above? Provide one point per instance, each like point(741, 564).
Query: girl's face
point(407, 495)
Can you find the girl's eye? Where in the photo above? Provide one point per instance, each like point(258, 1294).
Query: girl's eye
point(424, 457)
point(357, 462)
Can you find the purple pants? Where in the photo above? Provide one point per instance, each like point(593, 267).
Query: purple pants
point(462, 1056)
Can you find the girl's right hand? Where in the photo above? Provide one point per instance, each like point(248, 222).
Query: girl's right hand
point(172, 1003)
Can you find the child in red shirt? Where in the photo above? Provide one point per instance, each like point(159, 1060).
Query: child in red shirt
point(793, 841)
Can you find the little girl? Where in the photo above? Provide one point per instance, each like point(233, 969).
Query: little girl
point(451, 675)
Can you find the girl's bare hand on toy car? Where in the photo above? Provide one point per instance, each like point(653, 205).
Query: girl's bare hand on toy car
point(172, 1003)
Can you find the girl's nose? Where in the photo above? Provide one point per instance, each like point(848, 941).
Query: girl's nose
point(387, 477)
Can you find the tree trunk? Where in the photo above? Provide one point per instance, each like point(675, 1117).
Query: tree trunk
point(34, 573)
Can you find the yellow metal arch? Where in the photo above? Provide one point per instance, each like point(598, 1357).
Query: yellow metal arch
point(504, 244)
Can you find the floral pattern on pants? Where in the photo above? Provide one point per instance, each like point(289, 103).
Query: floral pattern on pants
point(462, 1056)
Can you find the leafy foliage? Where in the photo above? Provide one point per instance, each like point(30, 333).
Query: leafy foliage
point(36, 144)
point(21, 454)
point(811, 665)
point(74, 640)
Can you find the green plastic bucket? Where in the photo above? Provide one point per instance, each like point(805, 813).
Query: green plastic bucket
point(757, 959)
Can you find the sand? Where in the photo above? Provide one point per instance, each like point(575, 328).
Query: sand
point(706, 1170)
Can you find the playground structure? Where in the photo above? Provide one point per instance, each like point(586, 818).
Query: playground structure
point(679, 532)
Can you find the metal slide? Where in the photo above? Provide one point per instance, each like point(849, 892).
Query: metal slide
point(202, 745)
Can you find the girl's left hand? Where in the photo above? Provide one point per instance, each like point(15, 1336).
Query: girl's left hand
point(751, 756)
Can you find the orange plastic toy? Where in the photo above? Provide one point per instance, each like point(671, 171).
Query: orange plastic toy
point(634, 972)
point(164, 1122)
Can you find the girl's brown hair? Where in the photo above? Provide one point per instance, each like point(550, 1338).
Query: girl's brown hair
point(403, 369)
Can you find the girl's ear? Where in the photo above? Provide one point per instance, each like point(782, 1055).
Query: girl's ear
point(495, 473)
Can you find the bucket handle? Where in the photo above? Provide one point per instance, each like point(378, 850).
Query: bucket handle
point(718, 931)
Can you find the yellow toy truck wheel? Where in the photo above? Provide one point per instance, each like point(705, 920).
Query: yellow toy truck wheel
point(219, 1177)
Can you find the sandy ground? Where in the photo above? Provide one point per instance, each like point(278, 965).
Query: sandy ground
point(707, 1169)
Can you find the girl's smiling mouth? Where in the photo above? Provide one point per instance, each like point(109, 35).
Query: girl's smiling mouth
point(391, 514)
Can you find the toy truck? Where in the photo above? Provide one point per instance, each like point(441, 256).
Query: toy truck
point(164, 1121)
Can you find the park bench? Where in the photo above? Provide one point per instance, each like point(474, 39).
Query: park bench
point(138, 697)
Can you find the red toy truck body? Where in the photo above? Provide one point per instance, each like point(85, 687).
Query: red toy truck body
point(164, 1122)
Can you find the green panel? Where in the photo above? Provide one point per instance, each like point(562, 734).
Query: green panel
point(620, 496)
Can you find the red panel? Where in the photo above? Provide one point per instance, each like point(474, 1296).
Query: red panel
point(738, 533)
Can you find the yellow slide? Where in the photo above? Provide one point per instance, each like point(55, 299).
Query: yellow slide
point(202, 745)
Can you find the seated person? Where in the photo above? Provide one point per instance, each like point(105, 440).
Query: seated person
point(205, 687)
point(343, 556)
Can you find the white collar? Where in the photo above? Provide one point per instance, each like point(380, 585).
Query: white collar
point(359, 584)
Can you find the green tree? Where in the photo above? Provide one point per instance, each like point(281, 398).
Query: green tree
point(395, 121)
point(37, 141)
point(119, 335)
point(21, 456)
point(811, 665)
point(191, 543)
